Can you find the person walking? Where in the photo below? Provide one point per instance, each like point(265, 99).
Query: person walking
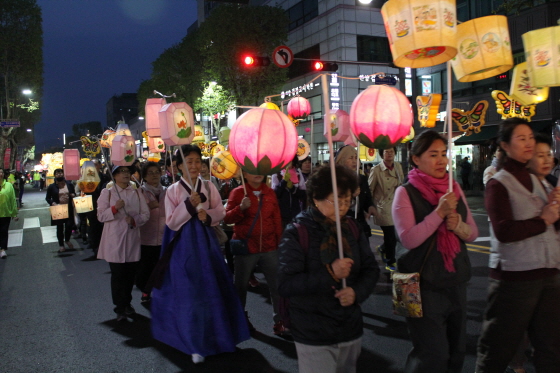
point(95, 227)
point(61, 192)
point(289, 186)
point(433, 225)
point(36, 179)
point(20, 181)
point(466, 173)
point(8, 211)
point(524, 284)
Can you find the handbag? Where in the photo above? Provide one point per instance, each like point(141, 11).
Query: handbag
point(407, 300)
point(240, 246)
point(220, 234)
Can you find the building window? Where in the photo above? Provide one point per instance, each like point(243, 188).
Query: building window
point(302, 12)
point(373, 49)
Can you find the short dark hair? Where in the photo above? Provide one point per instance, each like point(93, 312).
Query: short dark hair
point(169, 160)
point(206, 161)
point(381, 151)
point(319, 184)
point(54, 172)
point(422, 143)
point(147, 166)
point(188, 149)
point(541, 138)
point(507, 126)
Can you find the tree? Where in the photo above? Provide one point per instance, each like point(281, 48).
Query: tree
point(232, 31)
point(215, 100)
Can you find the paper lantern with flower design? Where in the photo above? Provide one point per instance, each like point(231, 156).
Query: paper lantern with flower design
point(339, 124)
point(381, 117)
point(484, 49)
point(151, 111)
point(107, 138)
point(71, 162)
point(263, 141)
point(176, 123)
point(421, 32)
point(522, 89)
point(90, 178)
point(198, 134)
point(542, 53)
point(303, 149)
point(299, 108)
point(123, 147)
point(367, 154)
point(223, 166)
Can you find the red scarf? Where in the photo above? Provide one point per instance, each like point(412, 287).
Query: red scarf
point(432, 189)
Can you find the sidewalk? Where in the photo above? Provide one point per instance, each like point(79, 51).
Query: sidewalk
point(476, 204)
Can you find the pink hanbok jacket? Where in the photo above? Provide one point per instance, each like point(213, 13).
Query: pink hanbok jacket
point(119, 243)
point(176, 208)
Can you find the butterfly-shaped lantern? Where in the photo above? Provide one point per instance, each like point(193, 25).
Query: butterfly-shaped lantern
point(473, 120)
point(428, 107)
point(509, 108)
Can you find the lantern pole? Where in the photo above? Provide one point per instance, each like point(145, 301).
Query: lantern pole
point(449, 127)
point(165, 159)
point(243, 181)
point(312, 148)
point(333, 172)
point(358, 175)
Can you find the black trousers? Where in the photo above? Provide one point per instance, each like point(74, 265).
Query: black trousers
point(389, 243)
point(149, 257)
point(4, 227)
point(122, 282)
point(95, 230)
point(83, 226)
point(64, 231)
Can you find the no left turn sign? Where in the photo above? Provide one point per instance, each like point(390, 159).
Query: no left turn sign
point(282, 56)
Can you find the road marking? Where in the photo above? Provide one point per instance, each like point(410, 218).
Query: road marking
point(15, 237)
point(31, 223)
point(482, 239)
point(49, 234)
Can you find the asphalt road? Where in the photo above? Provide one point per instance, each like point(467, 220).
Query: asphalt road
point(56, 314)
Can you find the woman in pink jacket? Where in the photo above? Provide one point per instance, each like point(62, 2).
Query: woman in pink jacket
point(123, 209)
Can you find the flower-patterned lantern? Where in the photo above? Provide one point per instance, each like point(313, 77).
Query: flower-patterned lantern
point(90, 178)
point(269, 105)
point(223, 135)
point(223, 166)
point(484, 49)
point(123, 147)
point(339, 124)
point(421, 32)
point(303, 149)
point(299, 108)
point(71, 162)
point(428, 107)
point(542, 53)
point(381, 116)
point(107, 138)
point(216, 149)
point(152, 108)
point(198, 134)
point(83, 204)
point(367, 154)
point(156, 144)
point(263, 141)
point(176, 123)
point(522, 90)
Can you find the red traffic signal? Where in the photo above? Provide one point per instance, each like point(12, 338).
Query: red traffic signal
point(324, 66)
point(252, 61)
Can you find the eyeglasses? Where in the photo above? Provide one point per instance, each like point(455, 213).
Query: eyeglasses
point(124, 171)
point(340, 202)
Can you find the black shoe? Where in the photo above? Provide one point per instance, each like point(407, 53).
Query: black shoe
point(129, 311)
point(121, 317)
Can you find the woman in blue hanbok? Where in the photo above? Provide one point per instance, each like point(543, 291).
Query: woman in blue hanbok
point(195, 308)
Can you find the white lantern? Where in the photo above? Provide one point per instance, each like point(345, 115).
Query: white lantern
point(83, 204)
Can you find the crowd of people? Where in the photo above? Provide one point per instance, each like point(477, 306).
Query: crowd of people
point(191, 244)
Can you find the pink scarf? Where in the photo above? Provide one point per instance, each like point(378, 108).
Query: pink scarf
point(432, 189)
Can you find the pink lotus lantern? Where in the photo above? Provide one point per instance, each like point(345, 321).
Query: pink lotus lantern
point(339, 123)
point(107, 138)
point(156, 144)
point(152, 108)
point(351, 140)
point(123, 147)
point(176, 123)
point(381, 116)
point(263, 141)
point(299, 108)
point(71, 162)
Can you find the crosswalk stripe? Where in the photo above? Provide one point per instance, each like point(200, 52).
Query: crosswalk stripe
point(31, 223)
point(15, 237)
point(49, 234)
point(482, 239)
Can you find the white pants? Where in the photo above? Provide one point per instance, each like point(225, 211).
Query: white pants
point(337, 358)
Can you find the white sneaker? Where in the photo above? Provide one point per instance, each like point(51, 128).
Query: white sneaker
point(3, 254)
point(197, 359)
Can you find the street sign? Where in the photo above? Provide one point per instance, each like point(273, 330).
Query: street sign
point(388, 80)
point(9, 123)
point(282, 56)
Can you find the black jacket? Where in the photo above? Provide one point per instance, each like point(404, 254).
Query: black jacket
point(52, 196)
point(365, 201)
point(317, 318)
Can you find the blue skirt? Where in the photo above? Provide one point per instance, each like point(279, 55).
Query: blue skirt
point(197, 309)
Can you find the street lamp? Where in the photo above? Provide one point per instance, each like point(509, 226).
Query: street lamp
point(26, 92)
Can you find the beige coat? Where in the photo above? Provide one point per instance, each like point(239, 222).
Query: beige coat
point(383, 183)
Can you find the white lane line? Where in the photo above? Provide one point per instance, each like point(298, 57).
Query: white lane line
point(15, 237)
point(49, 234)
point(479, 239)
point(31, 223)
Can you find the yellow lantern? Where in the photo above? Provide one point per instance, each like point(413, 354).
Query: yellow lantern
point(542, 55)
point(409, 137)
point(421, 32)
point(367, 154)
point(223, 166)
point(509, 108)
point(154, 157)
point(522, 90)
point(89, 179)
point(82, 160)
point(269, 105)
point(303, 149)
point(473, 120)
point(198, 133)
point(218, 148)
point(484, 49)
point(428, 107)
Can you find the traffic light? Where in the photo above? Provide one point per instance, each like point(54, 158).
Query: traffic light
point(324, 66)
point(254, 61)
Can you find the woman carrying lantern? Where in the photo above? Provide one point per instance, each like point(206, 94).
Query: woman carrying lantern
point(8, 211)
point(195, 308)
point(434, 225)
point(61, 192)
point(289, 186)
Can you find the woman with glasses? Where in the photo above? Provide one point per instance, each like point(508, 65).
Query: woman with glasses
point(433, 225)
point(123, 210)
point(326, 319)
point(61, 192)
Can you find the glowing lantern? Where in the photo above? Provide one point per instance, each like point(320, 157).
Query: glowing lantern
point(339, 124)
point(223, 166)
point(176, 123)
point(410, 136)
point(216, 149)
point(123, 147)
point(351, 140)
point(223, 135)
point(542, 55)
point(122, 129)
point(107, 138)
point(484, 49)
point(522, 90)
point(269, 105)
point(473, 120)
point(152, 108)
point(509, 108)
point(303, 149)
point(428, 107)
point(198, 134)
point(299, 108)
point(71, 162)
point(263, 141)
point(367, 154)
point(90, 178)
point(83, 204)
point(82, 160)
point(153, 157)
point(156, 144)
point(381, 116)
point(421, 32)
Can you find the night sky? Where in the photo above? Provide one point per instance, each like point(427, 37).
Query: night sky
point(94, 49)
